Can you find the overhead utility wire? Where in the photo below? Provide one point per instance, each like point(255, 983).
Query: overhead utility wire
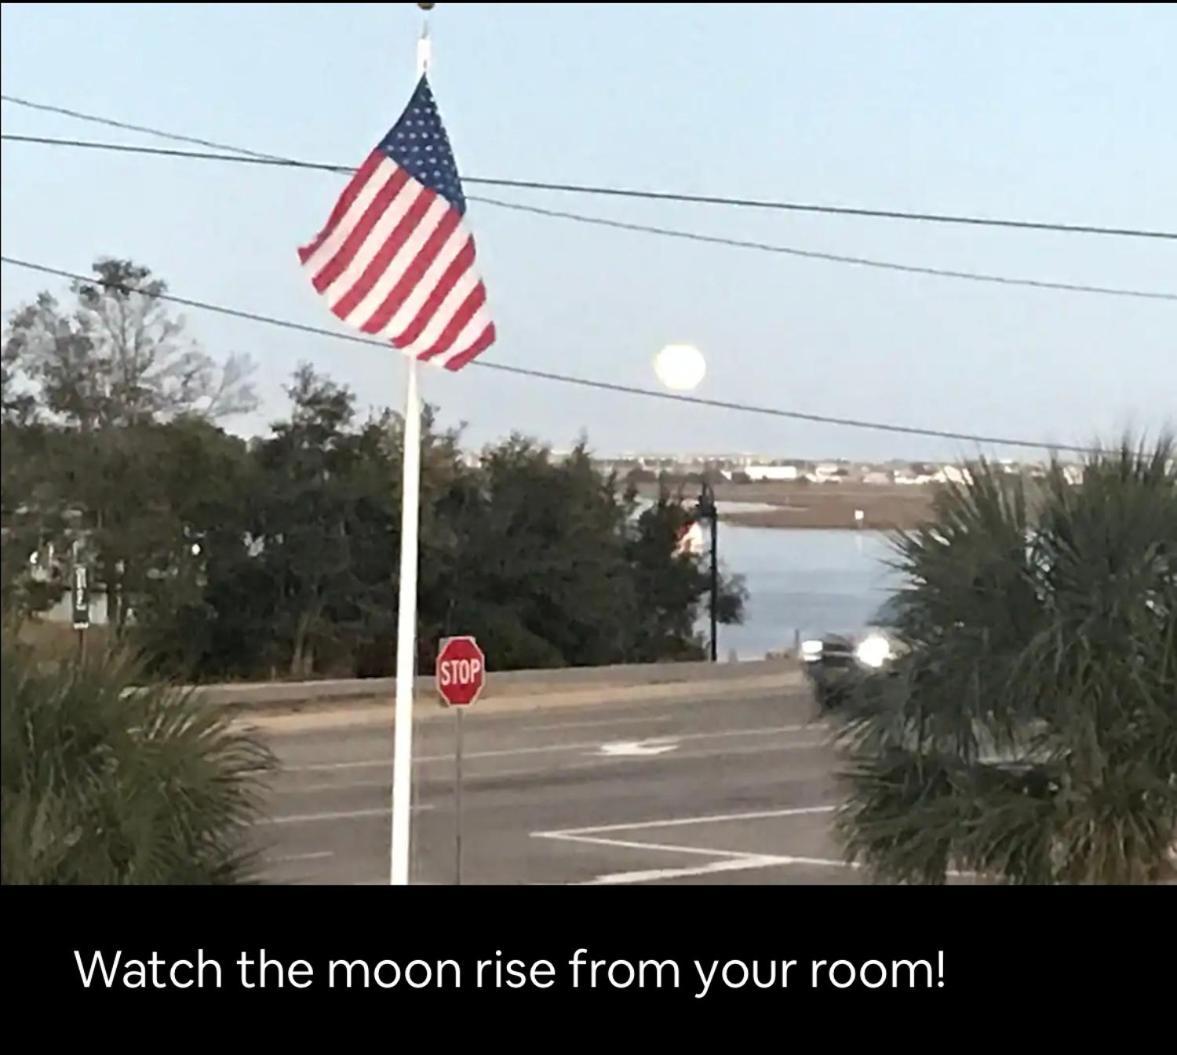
point(110, 122)
point(196, 155)
point(600, 221)
point(701, 199)
point(813, 254)
point(583, 382)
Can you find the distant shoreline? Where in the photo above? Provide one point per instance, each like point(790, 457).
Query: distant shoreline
point(823, 520)
point(819, 506)
point(771, 523)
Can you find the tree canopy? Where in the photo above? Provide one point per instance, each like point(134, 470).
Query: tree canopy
point(278, 556)
point(1028, 729)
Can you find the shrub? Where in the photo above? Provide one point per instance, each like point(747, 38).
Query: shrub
point(107, 783)
point(1028, 729)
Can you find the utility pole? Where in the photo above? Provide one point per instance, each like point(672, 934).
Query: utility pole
point(706, 508)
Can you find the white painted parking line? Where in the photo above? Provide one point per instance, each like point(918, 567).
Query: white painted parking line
point(306, 789)
point(721, 860)
point(742, 863)
point(674, 822)
point(662, 847)
point(420, 760)
point(341, 815)
point(318, 855)
point(505, 774)
point(597, 722)
point(655, 875)
point(638, 748)
point(589, 745)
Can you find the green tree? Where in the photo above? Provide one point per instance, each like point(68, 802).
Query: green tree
point(553, 566)
point(18, 405)
point(449, 504)
point(543, 559)
point(118, 356)
point(104, 783)
point(195, 544)
point(299, 544)
point(280, 557)
point(307, 502)
point(1028, 729)
point(539, 569)
point(673, 586)
point(328, 536)
point(29, 518)
point(25, 522)
point(103, 377)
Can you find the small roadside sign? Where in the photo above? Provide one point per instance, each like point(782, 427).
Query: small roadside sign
point(81, 598)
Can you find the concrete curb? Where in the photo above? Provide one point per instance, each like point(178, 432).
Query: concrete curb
point(375, 711)
point(508, 684)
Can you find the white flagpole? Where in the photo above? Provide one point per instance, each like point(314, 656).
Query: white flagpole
point(406, 629)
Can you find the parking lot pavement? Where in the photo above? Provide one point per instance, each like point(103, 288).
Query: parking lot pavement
point(792, 845)
point(738, 791)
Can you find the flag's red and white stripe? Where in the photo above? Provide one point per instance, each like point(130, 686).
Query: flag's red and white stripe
point(396, 261)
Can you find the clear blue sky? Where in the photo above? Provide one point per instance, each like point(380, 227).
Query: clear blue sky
point(1058, 113)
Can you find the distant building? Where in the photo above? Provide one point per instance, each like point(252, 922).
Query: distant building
point(827, 473)
point(953, 474)
point(915, 477)
point(772, 472)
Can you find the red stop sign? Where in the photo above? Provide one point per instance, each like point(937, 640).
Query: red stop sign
point(461, 671)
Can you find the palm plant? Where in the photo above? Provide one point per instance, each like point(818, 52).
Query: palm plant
point(1027, 730)
point(105, 782)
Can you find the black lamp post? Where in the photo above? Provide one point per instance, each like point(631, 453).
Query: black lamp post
point(705, 509)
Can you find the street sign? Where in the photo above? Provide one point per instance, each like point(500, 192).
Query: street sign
point(461, 671)
point(81, 598)
point(461, 674)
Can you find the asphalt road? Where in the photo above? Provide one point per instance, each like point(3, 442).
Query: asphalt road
point(710, 791)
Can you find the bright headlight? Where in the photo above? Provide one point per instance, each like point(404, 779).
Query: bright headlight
point(873, 651)
point(811, 650)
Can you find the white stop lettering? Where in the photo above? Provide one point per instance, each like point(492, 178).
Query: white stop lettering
point(460, 671)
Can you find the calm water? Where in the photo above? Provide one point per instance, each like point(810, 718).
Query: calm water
point(798, 580)
point(801, 580)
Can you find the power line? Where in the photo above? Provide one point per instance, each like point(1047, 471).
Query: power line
point(698, 199)
point(813, 254)
point(834, 210)
point(194, 155)
point(584, 382)
point(667, 232)
point(145, 129)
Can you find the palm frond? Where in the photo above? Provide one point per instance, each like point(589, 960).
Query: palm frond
point(1029, 729)
point(107, 780)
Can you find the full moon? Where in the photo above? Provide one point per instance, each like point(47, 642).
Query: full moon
point(680, 367)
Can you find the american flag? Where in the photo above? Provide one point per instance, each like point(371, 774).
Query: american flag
point(395, 259)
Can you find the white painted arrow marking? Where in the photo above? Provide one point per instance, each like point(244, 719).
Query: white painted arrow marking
point(637, 747)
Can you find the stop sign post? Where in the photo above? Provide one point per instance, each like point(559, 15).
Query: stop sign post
point(460, 676)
